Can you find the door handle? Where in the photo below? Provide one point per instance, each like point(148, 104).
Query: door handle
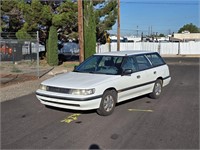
point(154, 72)
point(138, 76)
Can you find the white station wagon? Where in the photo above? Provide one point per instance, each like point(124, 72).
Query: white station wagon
point(105, 79)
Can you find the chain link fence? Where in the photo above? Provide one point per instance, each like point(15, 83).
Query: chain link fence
point(21, 56)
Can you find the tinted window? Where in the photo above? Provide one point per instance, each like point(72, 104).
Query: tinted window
point(88, 65)
point(142, 62)
point(129, 63)
point(155, 59)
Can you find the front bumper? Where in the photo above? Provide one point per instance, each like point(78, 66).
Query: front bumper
point(73, 103)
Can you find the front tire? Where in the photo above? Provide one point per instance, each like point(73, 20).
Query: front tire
point(157, 90)
point(108, 102)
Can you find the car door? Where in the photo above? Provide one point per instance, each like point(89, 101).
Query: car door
point(146, 70)
point(159, 69)
point(132, 85)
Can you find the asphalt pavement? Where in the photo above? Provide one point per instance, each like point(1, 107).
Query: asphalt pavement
point(170, 122)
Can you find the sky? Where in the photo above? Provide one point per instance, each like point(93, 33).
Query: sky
point(156, 16)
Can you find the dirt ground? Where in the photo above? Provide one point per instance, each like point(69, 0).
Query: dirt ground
point(26, 70)
point(10, 79)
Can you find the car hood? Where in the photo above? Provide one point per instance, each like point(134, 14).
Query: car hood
point(79, 80)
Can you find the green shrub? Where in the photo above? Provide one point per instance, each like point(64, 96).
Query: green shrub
point(89, 29)
point(52, 47)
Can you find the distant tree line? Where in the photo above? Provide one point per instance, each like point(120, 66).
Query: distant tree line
point(189, 27)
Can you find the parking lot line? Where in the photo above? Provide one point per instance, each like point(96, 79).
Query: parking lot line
point(140, 110)
point(70, 118)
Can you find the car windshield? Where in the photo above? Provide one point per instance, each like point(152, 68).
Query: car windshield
point(101, 65)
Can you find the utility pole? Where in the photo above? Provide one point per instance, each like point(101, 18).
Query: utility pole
point(80, 30)
point(118, 27)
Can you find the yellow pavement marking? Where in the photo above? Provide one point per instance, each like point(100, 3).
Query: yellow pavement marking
point(141, 110)
point(70, 118)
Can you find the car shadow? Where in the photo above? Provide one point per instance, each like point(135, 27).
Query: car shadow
point(71, 111)
point(94, 146)
point(132, 99)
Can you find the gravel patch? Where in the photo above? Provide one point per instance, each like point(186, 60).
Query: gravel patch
point(14, 85)
point(20, 89)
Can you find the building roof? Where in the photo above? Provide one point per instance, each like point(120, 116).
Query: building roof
point(185, 37)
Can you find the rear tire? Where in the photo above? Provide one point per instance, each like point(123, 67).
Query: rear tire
point(108, 102)
point(157, 90)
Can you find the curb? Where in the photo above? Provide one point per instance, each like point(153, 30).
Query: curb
point(46, 72)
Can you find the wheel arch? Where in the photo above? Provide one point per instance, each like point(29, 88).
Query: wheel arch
point(160, 78)
point(112, 88)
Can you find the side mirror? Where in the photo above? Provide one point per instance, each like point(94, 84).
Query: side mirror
point(127, 72)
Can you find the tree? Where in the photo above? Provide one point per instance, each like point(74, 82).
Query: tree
point(161, 35)
point(66, 20)
point(106, 16)
point(23, 34)
point(189, 27)
point(11, 17)
point(89, 29)
point(43, 15)
point(99, 16)
point(39, 14)
point(52, 53)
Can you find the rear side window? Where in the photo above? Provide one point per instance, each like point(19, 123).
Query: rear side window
point(155, 59)
point(142, 62)
point(129, 63)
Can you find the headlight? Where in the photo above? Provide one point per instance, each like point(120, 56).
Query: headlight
point(82, 91)
point(43, 87)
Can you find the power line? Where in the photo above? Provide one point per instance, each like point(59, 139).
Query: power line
point(162, 3)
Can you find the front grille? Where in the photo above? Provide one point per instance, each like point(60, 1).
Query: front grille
point(58, 90)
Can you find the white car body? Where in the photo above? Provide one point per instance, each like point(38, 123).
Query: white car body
point(126, 86)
